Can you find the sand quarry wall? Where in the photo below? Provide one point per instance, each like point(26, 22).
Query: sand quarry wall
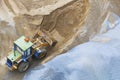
point(61, 18)
point(71, 22)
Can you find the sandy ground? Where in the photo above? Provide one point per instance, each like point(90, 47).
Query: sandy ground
point(25, 24)
point(96, 14)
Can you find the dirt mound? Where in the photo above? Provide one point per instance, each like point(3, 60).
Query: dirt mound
point(65, 19)
point(34, 4)
point(16, 17)
point(64, 22)
point(6, 38)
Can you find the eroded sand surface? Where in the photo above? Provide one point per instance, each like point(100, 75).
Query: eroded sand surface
point(53, 16)
point(71, 22)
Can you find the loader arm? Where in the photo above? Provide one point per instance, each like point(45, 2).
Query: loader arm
point(44, 36)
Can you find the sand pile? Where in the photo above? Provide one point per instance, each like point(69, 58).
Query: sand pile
point(61, 18)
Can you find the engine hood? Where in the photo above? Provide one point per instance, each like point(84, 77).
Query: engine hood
point(14, 56)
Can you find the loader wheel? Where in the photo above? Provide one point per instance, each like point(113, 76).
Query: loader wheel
point(23, 66)
point(42, 55)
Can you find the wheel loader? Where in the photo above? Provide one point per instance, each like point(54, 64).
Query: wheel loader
point(25, 49)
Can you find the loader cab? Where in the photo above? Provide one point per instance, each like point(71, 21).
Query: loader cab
point(19, 56)
point(24, 46)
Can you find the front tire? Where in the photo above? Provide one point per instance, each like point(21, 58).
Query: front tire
point(23, 66)
point(42, 55)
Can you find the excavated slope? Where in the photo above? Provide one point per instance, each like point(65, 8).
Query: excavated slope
point(24, 17)
point(61, 18)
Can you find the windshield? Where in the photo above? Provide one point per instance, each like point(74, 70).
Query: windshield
point(19, 50)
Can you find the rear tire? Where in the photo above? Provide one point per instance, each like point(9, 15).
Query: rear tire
point(23, 66)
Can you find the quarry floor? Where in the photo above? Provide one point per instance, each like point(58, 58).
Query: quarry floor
point(92, 21)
